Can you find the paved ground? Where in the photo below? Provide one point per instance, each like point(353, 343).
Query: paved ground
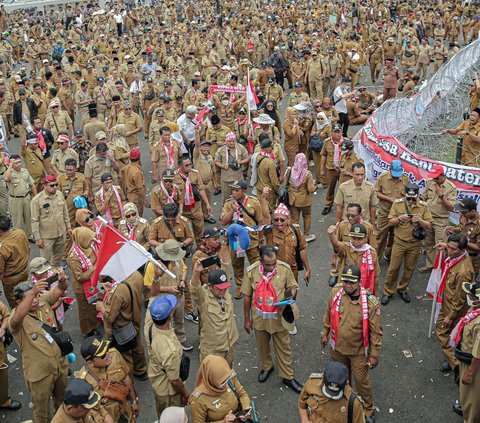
point(405, 389)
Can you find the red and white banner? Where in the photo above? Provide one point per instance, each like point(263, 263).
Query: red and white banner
point(378, 151)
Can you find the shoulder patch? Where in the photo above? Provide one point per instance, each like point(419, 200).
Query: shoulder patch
point(158, 219)
point(194, 170)
point(374, 300)
point(184, 218)
point(423, 203)
point(316, 376)
point(142, 220)
point(156, 189)
point(296, 225)
point(398, 200)
point(123, 222)
point(196, 393)
point(282, 263)
point(252, 266)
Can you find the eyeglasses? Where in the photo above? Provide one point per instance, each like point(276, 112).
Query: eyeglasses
point(351, 215)
point(55, 107)
point(279, 219)
point(52, 185)
point(318, 106)
point(130, 215)
point(127, 108)
point(411, 198)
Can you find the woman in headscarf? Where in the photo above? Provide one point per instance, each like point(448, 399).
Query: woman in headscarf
point(119, 146)
point(300, 189)
point(291, 127)
point(269, 108)
point(305, 120)
point(133, 226)
point(218, 395)
point(86, 218)
point(329, 110)
point(323, 128)
point(173, 415)
point(81, 260)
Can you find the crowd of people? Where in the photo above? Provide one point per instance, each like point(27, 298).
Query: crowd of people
point(198, 100)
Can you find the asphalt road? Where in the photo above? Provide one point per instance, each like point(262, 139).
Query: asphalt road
point(405, 389)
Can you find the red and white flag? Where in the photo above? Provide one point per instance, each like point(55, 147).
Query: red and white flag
point(251, 95)
point(434, 282)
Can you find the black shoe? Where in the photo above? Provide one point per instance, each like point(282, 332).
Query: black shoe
point(332, 281)
point(369, 419)
point(457, 408)
point(210, 219)
point(14, 406)
point(143, 376)
point(386, 299)
point(326, 210)
point(293, 385)
point(264, 374)
point(445, 367)
point(217, 191)
point(404, 296)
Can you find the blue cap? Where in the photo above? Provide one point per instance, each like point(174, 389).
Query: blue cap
point(162, 306)
point(396, 168)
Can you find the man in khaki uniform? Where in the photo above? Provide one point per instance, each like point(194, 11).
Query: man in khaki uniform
point(266, 171)
point(406, 248)
point(218, 331)
point(63, 153)
point(203, 162)
point(50, 221)
point(216, 134)
point(83, 99)
point(243, 209)
point(192, 210)
point(389, 187)
point(350, 308)
point(440, 194)
point(166, 192)
point(330, 160)
point(165, 357)
point(134, 181)
point(375, 59)
point(33, 157)
point(102, 162)
point(165, 153)
point(20, 187)
point(298, 95)
point(102, 97)
point(14, 255)
point(45, 369)
point(425, 57)
point(132, 122)
point(332, 67)
point(330, 394)
point(440, 54)
point(109, 200)
point(315, 75)
point(58, 120)
point(266, 319)
point(65, 94)
point(357, 190)
point(93, 126)
point(159, 122)
point(273, 91)
point(347, 160)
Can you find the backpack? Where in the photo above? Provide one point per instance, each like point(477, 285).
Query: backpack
point(57, 54)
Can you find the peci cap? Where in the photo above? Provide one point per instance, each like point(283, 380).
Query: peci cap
point(94, 347)
point(206, 142)
point(298, 84)
point(266, 143)
point(219, 278)
point(466, 204)
point(411, 190)
point(436, 171)
point(162, 307)
point(240, 184)
point(396, 168)
point(168, 174)
point(39, 265)
point(335, 379)
point(358, 230)
point(212, 232)
point(347, 146)
point(80, 392)
point(351, 274)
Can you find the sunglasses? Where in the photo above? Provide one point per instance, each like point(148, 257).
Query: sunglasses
point(411, 198)
point(318, 107)
point(52, 185)
point(130, 215)
point(55, 107)
point(279, 219)
point(352, 215)
point(127, 108)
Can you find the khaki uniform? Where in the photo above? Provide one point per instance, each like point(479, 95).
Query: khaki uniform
point(193, 213)
point(267, 177)
point(95, 415)
point(454, 305)
point(206, 168)
point(394, 188)
point(131, 122)
point(133, 182)
point(201, 254)
point(217, 138)
point(142, 231)
point(253, 253)
point(301, 202)
point(470, 154)
point(471, 229)
point(34, 164)
point(332, 67)
point(297, 98)
point(159, 231)
point(158, 198)
point(44, 367)
point(81, 96)
point(103, 98)
point(19, 189)
point(5, 399)
point(58, 122)
point(332, 174)
point(92, 127)
point(154, 131)
point(322, 409)
point(265, 329)
point(95, 167)
point(405, 246)
point(59, 156)
point(14, 256)
point(114, 206)
point(227, 176)
point(440, 215)
point(119, 311)
point(71, 189)
point(349, 348)
point(159, 155)
point(314, 75)
point(218, 329)
point(364, 195)
point(50, 222)
point(206, 408)
point(346, 163)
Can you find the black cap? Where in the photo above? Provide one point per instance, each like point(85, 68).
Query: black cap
point(347, 145)
point(266, 143)
point(411, 190)
point(105, 177)
point(239, 185)
point(358, 230)
point(350, 274)
point(149, 79)
point(219, 278)
point(212, 232)
point(94, 347)
point(22, 91)
point(336, 127)
point(335, 379)
point(168, 174)
point(472, 288)
point(215, 120)
point(466, 204)
point(80, 392)
point(78, 133)
point(298, 84)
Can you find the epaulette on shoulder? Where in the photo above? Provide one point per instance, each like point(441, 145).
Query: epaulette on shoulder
point(184, 218)
point(423, 203)
point(284, 264)
point(196, 393)
point(158, 219)
point(398, 200)
point(252, 266)
point(123, 222)
point(316, 376)
point(142, 220)
point(373, 299)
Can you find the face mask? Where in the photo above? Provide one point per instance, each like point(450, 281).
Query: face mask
point(469, 301)
point(225, 102)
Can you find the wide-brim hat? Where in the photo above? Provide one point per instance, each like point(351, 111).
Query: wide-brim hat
point(264, 119)
point(170, 250)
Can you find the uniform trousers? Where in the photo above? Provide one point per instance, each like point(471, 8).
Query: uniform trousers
point(238, 263)
point(227, 355)
point(422, 70)
point(332, 179)
point(306, 212)
point(385, 235)
point(357, 365)
point(469, 398)
point(196, 218)
point(443, 336)
point(375, 67)
point(3, 197)
point(164, 401)
point(329, 85)
point(5, 400)
point(316, 88)
point(208, 193)
point(136, 358)
point(317, 158)
point(178, 322)
point(53, 249)
point(434, 236)
point(402, 252)
point(9, 283)
point(21, 214)
point(53, 386)
point(226, 190)
point(283, 351)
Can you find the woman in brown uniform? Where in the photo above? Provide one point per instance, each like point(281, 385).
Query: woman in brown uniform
point(292, 134)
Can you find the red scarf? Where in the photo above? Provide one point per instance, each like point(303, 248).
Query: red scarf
point(447, 265)
point(367, 266)
point(41, 141)
point(335, 318)
point(265, 154)
point(170, 197)
point(169, 154)
point(131, 232)
point(265, 295)
point(236, 214)
point(189, 200)
point(457, 332)
point(91, 292)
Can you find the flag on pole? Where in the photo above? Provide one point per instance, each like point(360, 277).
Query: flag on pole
point(251, 96)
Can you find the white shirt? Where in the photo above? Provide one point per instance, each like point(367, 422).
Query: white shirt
point(340, 105)
point(186, 127)
point(118, 18)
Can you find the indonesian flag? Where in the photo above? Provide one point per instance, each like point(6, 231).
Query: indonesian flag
point(252, 99)
point(118, 256)
point(435, 280)
point(250, 48)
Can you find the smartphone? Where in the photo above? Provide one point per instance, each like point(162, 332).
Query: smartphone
point(210, 261)
point(52, 279)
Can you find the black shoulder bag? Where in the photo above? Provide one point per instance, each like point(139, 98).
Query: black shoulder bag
point(351, 403)
point(418, 232)
point(250, 215)
point(298, 259)
point(188, 248)
point(283, 196)
point(125, 338)
point(61, 338)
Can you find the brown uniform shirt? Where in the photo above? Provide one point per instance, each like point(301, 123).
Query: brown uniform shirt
point(158, 198)
point(159, 155)
point(343, 231)
point(204, 165)
point(391, 187)
point(142, 231)
point(14, 253)
point(116, 209)
point(346, 164)
point(364, 195)
point(91, 128)
point(239, 153)
point(57, 122)
point(328, 150)
point(286, 241)
point(302, 197)
point(194, 179)
point(434, 202)
point(131, 122)
point(59, 156)
point(159, 230)
point(470, 149)
point(95, 168)
point(71, 190)
point(403, 230)
point(50, 218)
point(133, 180)
point(471, 229)
point(471, 338)
point(34, 163)
point(95, 415)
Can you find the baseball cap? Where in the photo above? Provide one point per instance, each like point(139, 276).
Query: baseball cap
point(350, 274)
point(149, 79)
point(436, 171)
point(206, 142)
point(134, 154)
point(21, 91)
point(218, 277)
point(358, 230)
point(80, 392)
point(298, 84)
point(168, 174)
point(334, 380)
point(39, 265)
point(466, 204)
point(396, 168)
point(79, 133)
point(161, 307)
point(212, 232)
point(32, 138)
point(472, 288)
point(238, 185)
point(100, 79)
point(94, 347)
point(100, 135)
point(411, 190)
point(160, 112)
